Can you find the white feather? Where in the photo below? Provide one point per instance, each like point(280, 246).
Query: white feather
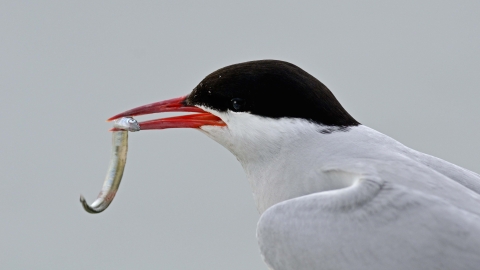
point(352, 199)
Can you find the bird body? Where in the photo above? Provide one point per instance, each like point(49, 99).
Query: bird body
point(353, 198)
point(332, 193)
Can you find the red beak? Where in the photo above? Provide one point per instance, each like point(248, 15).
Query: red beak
point(201, 118)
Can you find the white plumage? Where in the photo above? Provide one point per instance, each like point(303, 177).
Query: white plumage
point(352, 199)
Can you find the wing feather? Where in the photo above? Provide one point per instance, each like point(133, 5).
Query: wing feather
point(373, 224)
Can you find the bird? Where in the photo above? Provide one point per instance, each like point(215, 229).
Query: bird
point(332, 193)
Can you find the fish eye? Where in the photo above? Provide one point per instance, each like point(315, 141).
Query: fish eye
point(238, 104)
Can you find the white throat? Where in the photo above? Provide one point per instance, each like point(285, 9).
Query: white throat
point(281, 157)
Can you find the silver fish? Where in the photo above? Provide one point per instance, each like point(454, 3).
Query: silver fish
point(116, 167)
point(126, 123)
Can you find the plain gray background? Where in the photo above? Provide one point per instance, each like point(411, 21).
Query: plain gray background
point(409, 69)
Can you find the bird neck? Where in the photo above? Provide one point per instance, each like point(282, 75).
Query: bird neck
point(282, 158)
point(289, 164)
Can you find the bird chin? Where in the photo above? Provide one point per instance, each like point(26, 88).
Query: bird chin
point(219, 134)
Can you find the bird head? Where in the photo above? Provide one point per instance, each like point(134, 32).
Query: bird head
point(250, 107)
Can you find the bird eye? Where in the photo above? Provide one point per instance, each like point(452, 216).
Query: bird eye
point(238, 104)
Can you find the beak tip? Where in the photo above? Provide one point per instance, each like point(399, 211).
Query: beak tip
point(112, 118)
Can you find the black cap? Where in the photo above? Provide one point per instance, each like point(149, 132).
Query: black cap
point(270, 88)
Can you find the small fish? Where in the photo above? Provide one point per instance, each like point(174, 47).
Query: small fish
point(126, 123)
point(117, 165)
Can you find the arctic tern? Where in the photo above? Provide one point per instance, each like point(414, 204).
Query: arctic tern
point(332, 193)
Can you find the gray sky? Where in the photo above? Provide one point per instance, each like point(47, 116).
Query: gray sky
point(408, 69)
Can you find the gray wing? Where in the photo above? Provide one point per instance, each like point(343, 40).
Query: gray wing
point(373, 224)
